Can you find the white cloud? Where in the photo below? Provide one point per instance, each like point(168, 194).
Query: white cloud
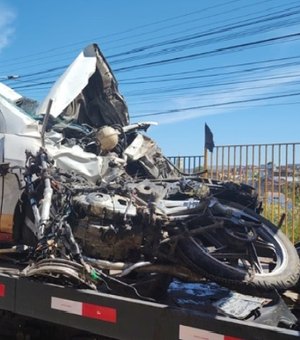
point(7, 17)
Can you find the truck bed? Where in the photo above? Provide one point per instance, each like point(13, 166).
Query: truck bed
point(189, 311)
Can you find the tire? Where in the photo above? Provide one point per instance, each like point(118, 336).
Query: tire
point(278, 261)
point(297, 286)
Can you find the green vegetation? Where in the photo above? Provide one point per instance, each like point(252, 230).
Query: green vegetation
point(291, 209)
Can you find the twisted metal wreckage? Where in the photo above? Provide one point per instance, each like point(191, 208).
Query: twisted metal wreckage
point(98, 205)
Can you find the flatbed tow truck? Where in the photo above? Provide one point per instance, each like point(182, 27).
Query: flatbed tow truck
point(32, 309)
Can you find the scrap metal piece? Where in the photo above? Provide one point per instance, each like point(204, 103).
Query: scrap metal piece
point(99, 204)
point(87, 92)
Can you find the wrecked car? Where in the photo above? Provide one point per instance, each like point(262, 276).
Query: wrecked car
point(88, 199)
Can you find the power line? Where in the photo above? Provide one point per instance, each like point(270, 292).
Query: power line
point(197, 85)
point(216, 105)
point(35, 81)
point(196, 73)
point(189, 29)
point(187, 57)
point(62, 67)
point(208, 33)
point(218, 75)
point(133, 29)
point(33, 60)
point(209, 41)
point(206, 94)
point(221, 50)
point(212, 68)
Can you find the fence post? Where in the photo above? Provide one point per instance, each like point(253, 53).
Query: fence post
point(205, 162)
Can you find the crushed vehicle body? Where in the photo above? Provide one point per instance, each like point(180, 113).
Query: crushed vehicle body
point(95, 203)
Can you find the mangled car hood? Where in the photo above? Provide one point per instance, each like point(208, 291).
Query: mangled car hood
point(83, 101)
point(87, 93)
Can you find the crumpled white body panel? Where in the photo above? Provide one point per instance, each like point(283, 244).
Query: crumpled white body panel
point(9, 93)
point(71, 83)
point(14, 121)
point(19, 132)
point(76, 159)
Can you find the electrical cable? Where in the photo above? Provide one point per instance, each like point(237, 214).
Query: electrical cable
point(216, 105)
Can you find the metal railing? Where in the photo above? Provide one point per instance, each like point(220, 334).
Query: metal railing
point(272, 169)
point(188, 164)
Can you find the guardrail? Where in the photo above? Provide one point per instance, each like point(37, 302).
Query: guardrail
point(272, 169)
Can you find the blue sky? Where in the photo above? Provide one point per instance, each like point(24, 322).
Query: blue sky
point(216, 62)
